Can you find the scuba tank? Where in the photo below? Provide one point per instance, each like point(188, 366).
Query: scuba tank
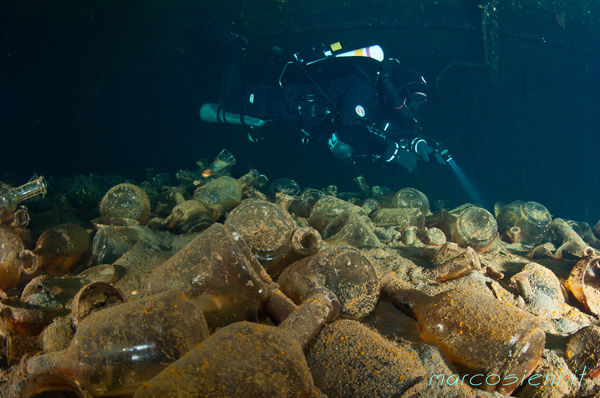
point(214, 113)
point(261, 101)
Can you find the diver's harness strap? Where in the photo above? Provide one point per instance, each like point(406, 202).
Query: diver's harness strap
point(308, 107)
point(301, 65)
point(400, 104)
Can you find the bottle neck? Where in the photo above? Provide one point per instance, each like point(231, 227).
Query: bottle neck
point(250, 178)
point(401, 294)
point(32, 188)
point(319, 307)
point(49, 362)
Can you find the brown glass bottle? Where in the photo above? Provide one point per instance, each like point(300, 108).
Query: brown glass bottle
point(467, 225)
point(272, 235)
point(116, 349)
point(14, 260)
point(224, 193)
point(344, 270)
point(348, 360)
point(532, 219)
point(248, 359)
point(61, 248)
point(125, 201)
point(218, 269)
point(328, 208)
point(484, 337)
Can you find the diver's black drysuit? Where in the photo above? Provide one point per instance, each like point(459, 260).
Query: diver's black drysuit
point(341, 105)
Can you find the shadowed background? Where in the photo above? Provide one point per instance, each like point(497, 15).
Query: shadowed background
point(115, 87)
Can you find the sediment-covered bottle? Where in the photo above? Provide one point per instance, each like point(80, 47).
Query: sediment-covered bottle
point(51, 385)
point(328, 208)
point(344, 270)
point(467, 225)
point(303, 204)
point(571, 244)
point(284, 185)
point(532, 219)
point(189, 216)
point(219, 270)
point(224, 193)
point(272, 235)
point(348, 360)
point(351, 229)
point(115, 350)
point(478, 333)
point(63, 246)
point(412, 198)
point(249, 360)
point(401, 218)
point(125, 201)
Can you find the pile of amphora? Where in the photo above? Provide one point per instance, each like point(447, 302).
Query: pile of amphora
point(216, 286)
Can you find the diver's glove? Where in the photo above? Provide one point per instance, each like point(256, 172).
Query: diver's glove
point(442, 155)
point(420, 147)
point(396, 153)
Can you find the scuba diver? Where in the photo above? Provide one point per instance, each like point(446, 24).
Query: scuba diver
point(363, 105)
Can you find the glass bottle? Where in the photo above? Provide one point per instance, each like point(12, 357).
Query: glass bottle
point(584, 284)
point(14, 345)
point(364, 188)
point(224, 193)
point(478, 333)
point(532, 218)
point(61, 248)
point(401, 218)
point(247, 359)
point(328, 208)
point(467, 225)
point(125, 201)
point(117, 349)
point(110, 243)
point(51, 385)
point(351, 229)
point(284, 185)
point(94, 297)
point(10, 197)
point(20, 218)
point(383, 195)
point(189, 216)
point(411, 198)
point(57, 292)
point(27, 319)
point(452, 261)
point(219, 270)
point(271, 233)
point(347, 360)
point(14, 260)
point(302, 205)
point(344, 270)
point(571, 244)
point(221, 165)
point(582, 351)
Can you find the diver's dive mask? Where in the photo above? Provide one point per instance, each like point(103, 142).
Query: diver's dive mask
point(411, 106)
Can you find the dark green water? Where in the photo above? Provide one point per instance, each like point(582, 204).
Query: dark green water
point(115, 87)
